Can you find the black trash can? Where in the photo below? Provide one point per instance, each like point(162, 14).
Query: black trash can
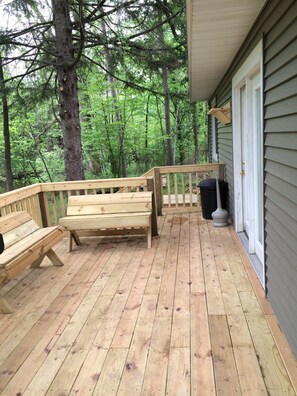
point(209, 196)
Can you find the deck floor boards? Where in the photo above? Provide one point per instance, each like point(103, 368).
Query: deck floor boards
point(181, 318)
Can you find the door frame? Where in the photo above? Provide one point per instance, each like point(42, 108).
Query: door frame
point(252, 65)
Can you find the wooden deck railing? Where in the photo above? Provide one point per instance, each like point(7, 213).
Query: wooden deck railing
point(176, 186)
point(47, 202)
point(174, 189)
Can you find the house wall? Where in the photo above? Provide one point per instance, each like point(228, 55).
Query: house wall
point(277, 25)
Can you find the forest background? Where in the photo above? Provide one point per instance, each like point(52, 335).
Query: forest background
point(95, 89)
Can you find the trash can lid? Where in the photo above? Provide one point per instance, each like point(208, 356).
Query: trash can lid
point(211, 183)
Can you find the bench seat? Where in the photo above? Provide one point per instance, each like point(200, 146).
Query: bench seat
point(120, 211)
point(25, 245)
point(117, 221)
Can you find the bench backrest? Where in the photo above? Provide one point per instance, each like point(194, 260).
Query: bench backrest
point(15, 226)
point(109, 203)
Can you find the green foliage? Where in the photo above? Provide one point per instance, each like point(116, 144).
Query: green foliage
point(132, 122)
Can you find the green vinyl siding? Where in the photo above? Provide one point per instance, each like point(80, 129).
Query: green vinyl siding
point(277, 26)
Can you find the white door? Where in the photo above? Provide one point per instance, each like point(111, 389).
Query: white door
point(248, 155)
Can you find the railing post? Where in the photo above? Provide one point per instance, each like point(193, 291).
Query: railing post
point(150, 187)
point(222, 171)
point(158, 191)
point(44, 219)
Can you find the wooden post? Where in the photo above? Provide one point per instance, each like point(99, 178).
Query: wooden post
point(150, 187)
point(221, 171)
point(158, 191)
point(44, 219)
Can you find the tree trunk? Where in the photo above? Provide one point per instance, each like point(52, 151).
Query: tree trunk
point(68, 93)
point(161, 128)
point(167, 115)
point(118, 115)
point(195, 133)
point(179, 137)
point(164, 74)
point(6, 134)
point(146, 155)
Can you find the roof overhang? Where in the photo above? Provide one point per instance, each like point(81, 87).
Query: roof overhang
point(216, 29)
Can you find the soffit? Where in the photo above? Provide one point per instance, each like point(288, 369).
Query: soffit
point(216, 29)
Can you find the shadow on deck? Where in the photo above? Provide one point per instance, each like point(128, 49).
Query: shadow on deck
point(181, 318)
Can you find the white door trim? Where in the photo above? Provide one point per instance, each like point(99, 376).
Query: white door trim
point(252, 63)
point(250, 76)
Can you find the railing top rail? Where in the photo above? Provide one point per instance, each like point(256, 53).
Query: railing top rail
point(148, 173)
point(91, 184)
point(190, 168)
point(21, 193)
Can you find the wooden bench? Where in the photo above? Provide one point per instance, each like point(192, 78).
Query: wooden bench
point(25, 244)
point(118, 212)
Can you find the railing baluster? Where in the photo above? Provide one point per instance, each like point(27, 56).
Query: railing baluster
point(169, 190)
point(46, 207)
point(54, 207)
point(62, 204)
point(183, 189)
point(176, 190)
point(191, 190)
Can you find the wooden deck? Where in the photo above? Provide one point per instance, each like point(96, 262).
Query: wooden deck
point(181, 318)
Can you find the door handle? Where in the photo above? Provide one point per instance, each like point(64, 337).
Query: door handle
point(242, 172)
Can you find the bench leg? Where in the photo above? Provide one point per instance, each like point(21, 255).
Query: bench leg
point(4, 306)
point(148, 233)
point(54, 258)
point(37, 262)
point(69, 242)
point(73, 235)
point(76, 238)
point(51, 255)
